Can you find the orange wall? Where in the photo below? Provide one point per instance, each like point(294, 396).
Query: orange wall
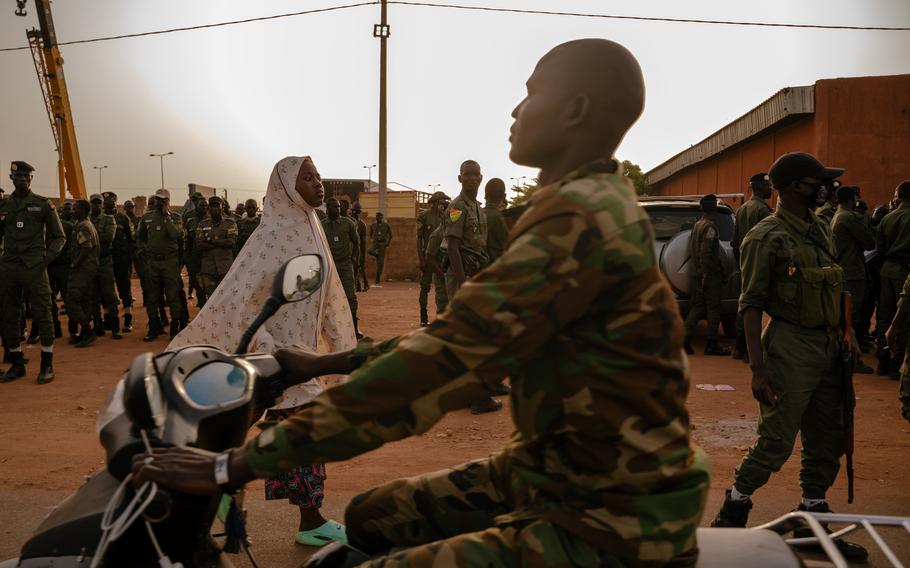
point(861, 124)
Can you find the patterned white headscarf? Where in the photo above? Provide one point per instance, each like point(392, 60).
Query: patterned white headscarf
point(289, 228)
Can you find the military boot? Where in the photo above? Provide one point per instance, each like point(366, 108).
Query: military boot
point(488, 404)
point(851, 551)
point(98, 327)
point(155, 329)
point(58, 329)
point(424, 318)
point(46, 373)
point(883, 354)
point(73, 328)
point(732, 514)
point(162, 317)
point(115, 327)
point(127, 323)
point(687, 345)
point(175, 328)
point(357, 332)
point(16, 370)
point(715, 348)
point(87, 337)
point(33, 334)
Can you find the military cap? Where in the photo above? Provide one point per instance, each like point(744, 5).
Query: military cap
point(96, 197)
point(18, 166)
point(215, 200)
point(197, 195)
point(438, 196)
point(109, 194)
point(798, 165)
point(760, 179)
point(163, 194)
point(129, 203)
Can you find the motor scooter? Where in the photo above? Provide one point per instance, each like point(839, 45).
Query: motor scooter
point(203, 397)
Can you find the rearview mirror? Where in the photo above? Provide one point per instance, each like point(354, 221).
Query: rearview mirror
point(142, 396)
point(299, 278)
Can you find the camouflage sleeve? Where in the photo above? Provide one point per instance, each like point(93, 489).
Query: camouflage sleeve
point(547, 278)
point(755, 264)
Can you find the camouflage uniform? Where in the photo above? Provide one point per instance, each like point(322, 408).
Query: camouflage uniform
point(81, 291)
point(106, 296)
point(852, 236)
point(215, 261)
point(790, 272)
point(893, 245)
point(601, 470)
point(709, 277)
point(427, 222)
point(465, 221)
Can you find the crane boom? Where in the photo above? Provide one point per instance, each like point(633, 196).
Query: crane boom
point(49, 67)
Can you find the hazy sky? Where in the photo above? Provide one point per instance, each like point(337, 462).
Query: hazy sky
point(231, 101)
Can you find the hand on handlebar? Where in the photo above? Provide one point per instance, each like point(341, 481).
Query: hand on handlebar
point(188, 470)
point(299, 366)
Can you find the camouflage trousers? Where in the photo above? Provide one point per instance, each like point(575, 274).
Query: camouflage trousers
point(448, 518)
point(706, 301)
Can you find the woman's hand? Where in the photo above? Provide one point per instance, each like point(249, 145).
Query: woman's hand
point(188, 470)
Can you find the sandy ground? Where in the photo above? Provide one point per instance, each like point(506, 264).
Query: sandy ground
point(48, 443)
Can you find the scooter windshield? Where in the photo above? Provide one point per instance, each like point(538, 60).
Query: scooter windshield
point(215, 384)
point(112, 407)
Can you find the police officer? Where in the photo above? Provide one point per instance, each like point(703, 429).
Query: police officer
point(790, 272)
point(158, 240)
point(247, 224)
point(892, 245)
point(747, 216)
point(58, 269)
point(85, 250)
point(192, 256)
point(122, 250)
point(107, 228)
point(363, 283)
point(494, 201)
point(465, 246)
point(852, 237)
point(428, 221)
point(344, 243)
point(708, 277)
point(215, 239)
point(381, 238)
point(32, 237)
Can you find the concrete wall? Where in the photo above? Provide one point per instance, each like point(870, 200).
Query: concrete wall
point(401, 256)
point(861, 124)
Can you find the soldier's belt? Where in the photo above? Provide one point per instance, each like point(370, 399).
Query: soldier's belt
point(823, 328)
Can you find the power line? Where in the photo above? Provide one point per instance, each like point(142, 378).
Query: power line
point(481, 9)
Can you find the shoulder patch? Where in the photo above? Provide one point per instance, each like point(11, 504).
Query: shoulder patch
point(455, 214)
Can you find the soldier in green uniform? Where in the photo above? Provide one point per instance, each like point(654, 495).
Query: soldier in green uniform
point(129, 209)
point(85, 250)
point(465, 230)
point(892, 245)
point(708, 277)
point(122, 250)
point(192, 256)
point(494, 201)
point(158, 239)
point(58, 269)
point(344, 243)
point(215, 238)
point(32, 236)
point(247, 223)
point(747, 216)
point(790, 272)
point(107, 228)
point(428, 221)
point(601, 470)
point(852, 236)
point(363, 283)
point(381, 238)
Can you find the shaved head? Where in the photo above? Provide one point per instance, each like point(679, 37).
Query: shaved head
point(583, 97)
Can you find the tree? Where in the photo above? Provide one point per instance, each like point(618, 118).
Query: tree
point(523, 193)
point(639, 179)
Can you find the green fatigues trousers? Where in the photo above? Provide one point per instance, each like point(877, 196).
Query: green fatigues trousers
point(349, 283)
point(80, 295)
point(805, 372)
point(162, 274)
point(122, 265)
point(139, 266)
point(887, 306)
point(58, 278)
point(705, 304)
point(195, 283)
point(16, 279)
point(449, 518)
point(209, 283)
point(857, 289)
point(104, 287)
point(428, 277)
point(380, 260)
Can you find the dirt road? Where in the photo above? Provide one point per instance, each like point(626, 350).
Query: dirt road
point(48, 443)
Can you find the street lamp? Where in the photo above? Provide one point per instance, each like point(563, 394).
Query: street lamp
point(434, 187)
point(517, 182)
point(161, 157)
point(369, 170)
point(99, 168)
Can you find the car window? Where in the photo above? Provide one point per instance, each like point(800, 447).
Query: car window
point(668, 221)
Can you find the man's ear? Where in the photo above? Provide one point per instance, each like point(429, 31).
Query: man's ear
point(579, 109)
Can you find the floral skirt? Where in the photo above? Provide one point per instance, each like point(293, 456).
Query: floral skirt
point(303, 486)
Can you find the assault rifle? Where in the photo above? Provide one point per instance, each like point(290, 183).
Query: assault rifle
point(846, 373)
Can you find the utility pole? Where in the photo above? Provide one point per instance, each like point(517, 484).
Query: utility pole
point(161, 158)
point(382, 31)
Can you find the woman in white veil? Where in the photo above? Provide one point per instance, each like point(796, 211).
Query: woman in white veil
point(289, 227)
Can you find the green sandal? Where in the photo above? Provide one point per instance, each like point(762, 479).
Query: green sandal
point(320, 536)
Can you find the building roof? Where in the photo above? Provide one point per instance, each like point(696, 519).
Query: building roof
point(784, 106)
